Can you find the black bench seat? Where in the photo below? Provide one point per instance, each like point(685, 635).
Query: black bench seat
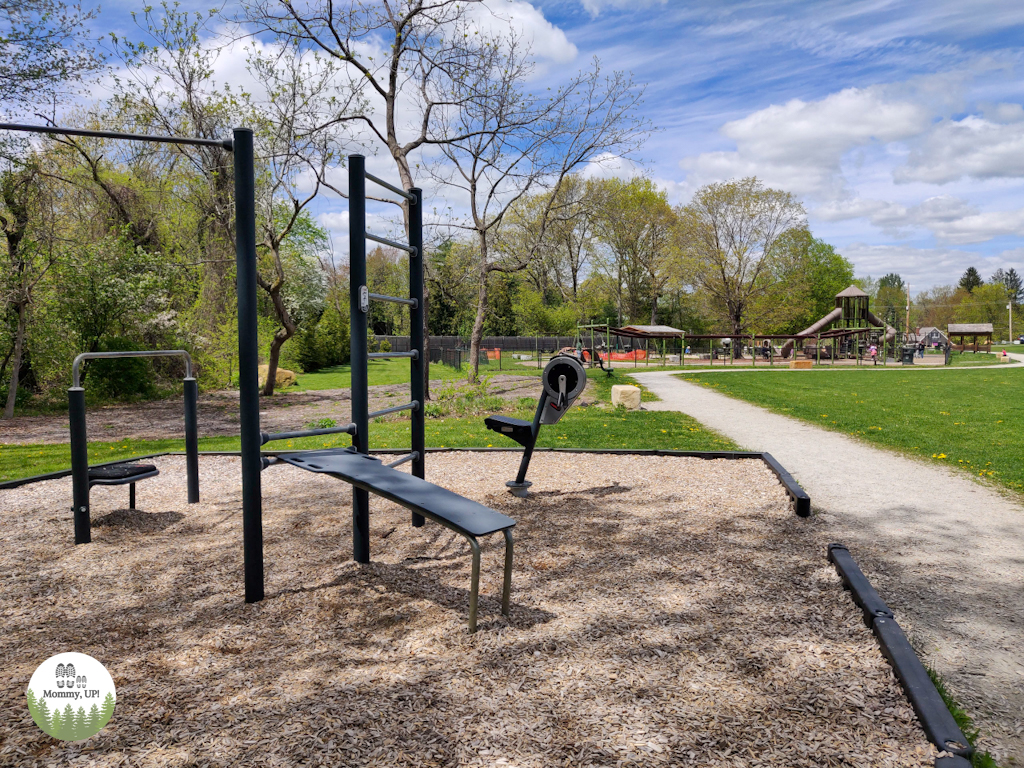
point(465, 517)
point(120, 474)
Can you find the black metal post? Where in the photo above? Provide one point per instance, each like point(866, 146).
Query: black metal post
point(419, 365)
point(248, 361)
point(79, 465)
point(192, 438)
point(524, 463)
point(358, 310)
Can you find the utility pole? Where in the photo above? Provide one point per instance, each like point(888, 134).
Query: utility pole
point(908, 312)
point(1009, 309)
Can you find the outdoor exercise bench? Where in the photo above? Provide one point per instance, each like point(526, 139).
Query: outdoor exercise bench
point(119, 474)
point(465, 517)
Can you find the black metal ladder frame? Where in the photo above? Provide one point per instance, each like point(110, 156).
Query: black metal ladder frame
point(359, 307)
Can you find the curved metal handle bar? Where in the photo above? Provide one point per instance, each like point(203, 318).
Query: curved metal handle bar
point(140, 353)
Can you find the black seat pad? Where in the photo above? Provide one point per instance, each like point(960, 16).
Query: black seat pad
point(368, 473)
point(124, 472)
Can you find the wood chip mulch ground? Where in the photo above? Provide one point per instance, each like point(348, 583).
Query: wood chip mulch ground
point(665, 612)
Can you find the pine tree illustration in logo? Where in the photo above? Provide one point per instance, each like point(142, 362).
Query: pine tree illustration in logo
point(64, 698)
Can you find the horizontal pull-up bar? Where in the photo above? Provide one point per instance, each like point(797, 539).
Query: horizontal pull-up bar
point(395, 299)
point(394, 244)
point(265, 438)
point(227, 144)
point(396, 190)
point(413, 406)
point(130, 353)
point(401, 460)
point(415, 355)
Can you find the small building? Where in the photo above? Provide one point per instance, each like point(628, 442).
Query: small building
point(980, 335)
point(931, 336)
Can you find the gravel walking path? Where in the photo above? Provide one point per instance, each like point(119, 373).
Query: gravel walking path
point(943, 550)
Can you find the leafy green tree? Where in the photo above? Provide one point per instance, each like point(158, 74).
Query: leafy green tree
point(56, 724)
point(742, 249)
point(636, 227)
point(449, 278)
point(986, 304)
point(894, 281)
point(970, 280)
point(1011, 280)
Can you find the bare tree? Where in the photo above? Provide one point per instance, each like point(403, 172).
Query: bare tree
point(735, 237)
point(515, 142)
point(409, 62)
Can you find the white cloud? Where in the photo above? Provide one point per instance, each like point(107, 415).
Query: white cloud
point(594, 7)
point(924, 268)
point(800, 145)
point(609, 166)
point(949, 219)
point(549, 44)
point(972, 147)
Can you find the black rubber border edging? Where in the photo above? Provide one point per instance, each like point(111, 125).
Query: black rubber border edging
point(936, 720)
point(801, 501)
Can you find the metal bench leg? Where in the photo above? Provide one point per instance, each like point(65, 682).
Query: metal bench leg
point(507, 589)
point(131, 496)
point(474, 587)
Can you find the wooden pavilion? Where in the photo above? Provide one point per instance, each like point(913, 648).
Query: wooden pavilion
point(959, 332)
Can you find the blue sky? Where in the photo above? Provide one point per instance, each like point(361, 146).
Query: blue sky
point(900, 125)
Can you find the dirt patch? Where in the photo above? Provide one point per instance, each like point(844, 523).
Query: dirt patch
point(218, 413)
point(665, 612)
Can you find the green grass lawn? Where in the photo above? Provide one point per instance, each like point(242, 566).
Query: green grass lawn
point(380, 372)
point(973, 420)
point(596, 426)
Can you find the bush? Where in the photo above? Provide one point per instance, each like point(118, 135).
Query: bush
point(129, 378)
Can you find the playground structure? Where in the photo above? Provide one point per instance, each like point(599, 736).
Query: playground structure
point(83, 477)
point(563, 380)
point(855, 328)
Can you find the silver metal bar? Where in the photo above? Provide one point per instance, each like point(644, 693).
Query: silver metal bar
point(395, 299)
point(393, 188)
point(392, 243)
point(413, 406)
point(265, 438)
point(415, 355)
point(227, 144)
point(76, 378)
point(402, 459)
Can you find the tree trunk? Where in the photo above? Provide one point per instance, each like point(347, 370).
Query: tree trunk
point(654, 309)
point(19, 345)
point(478, 329)
point(285, 332)
point(275, 355)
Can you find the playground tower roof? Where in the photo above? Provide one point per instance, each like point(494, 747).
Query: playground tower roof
point(853, 292)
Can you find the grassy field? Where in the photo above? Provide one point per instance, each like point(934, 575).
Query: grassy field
point(595, 426)
point(973, 420)
point(380, 372)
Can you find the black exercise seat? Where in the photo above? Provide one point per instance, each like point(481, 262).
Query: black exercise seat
point(518, 429)
point(457, 513)
point(119, 474)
